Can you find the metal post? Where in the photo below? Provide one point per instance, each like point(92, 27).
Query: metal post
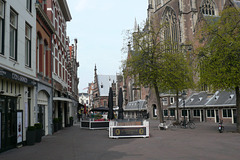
point(184, 95)
point(184, 120)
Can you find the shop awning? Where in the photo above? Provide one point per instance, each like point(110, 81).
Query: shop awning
point(62, 99)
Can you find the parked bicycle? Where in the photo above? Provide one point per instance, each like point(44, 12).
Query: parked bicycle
point(189, 124)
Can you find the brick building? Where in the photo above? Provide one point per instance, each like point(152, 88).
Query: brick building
point(183, 18)
point(44, 32)
point(100, 91)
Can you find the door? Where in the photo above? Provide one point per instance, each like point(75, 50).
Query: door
point(217, 116)
point(202, 116)
point(8, 107)
point(234, 116)
point(41, 116)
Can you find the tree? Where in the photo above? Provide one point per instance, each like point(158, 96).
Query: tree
point(157, 62)
point(219, 57)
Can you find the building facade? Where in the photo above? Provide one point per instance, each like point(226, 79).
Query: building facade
point(101, 86)
point(44, 32)
point(18, 82)
point(38, 68)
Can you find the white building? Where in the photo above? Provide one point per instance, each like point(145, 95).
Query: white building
point(84, 99)
point(17, 70)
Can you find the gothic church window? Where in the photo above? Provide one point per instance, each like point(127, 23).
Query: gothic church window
point(208, 7)
point(171, 31)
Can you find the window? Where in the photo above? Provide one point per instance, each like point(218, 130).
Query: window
point(227, 113)
point(1, 26)
point(171, 100)
point(165, 101)
point(104, 103)
point(27, 45)
point(184, 112)
point(154, 110)
point(208, 8)
point(29, 5)
point(172, 112)
point(38, 53)
point(210, 113)
point(44, 59)
point(13, 35)
point(171, 32)
point(196, 113)
point(165, 112)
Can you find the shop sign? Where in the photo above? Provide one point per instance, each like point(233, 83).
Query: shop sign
point(16, 77)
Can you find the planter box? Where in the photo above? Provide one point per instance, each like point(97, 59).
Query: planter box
point(128, 129)
point(30, 137)
point(55, 127)
point(91, 124)
point(39, 135)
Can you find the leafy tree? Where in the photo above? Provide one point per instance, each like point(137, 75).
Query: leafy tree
point(220, 55)
point(157, 62)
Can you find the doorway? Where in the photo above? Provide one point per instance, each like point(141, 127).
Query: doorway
point(8, 109)
point(217, 116)
point(41, 116)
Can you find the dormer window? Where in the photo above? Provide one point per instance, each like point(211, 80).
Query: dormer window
point(231, 96)
point(200, 98)
point(191, 99)
point(216, 98)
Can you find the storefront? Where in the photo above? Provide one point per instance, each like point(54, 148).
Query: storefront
point(16, 108)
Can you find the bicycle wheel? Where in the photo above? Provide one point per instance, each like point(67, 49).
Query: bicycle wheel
point(191, 125)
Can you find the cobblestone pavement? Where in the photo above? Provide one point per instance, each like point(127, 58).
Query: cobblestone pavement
point(202, 143)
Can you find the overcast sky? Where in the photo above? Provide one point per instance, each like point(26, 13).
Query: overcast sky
point(99, 26)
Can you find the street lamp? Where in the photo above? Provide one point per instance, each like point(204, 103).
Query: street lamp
point(184, 96)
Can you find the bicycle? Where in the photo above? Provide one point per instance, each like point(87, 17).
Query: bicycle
point(189, 124)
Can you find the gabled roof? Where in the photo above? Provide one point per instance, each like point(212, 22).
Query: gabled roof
point(197, 99)
point(223, 98)
point(104, 83)
point(136, 106)
point(202, 99)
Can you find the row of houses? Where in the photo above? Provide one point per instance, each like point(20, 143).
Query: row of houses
point(38, 68)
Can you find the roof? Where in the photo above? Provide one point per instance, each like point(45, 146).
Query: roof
point(136, 106)
point(202, 99)
point(237, 3)
point(84, 94)
point(223, 98)
point(104, 83)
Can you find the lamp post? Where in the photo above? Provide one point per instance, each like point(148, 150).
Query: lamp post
point(184, 95)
